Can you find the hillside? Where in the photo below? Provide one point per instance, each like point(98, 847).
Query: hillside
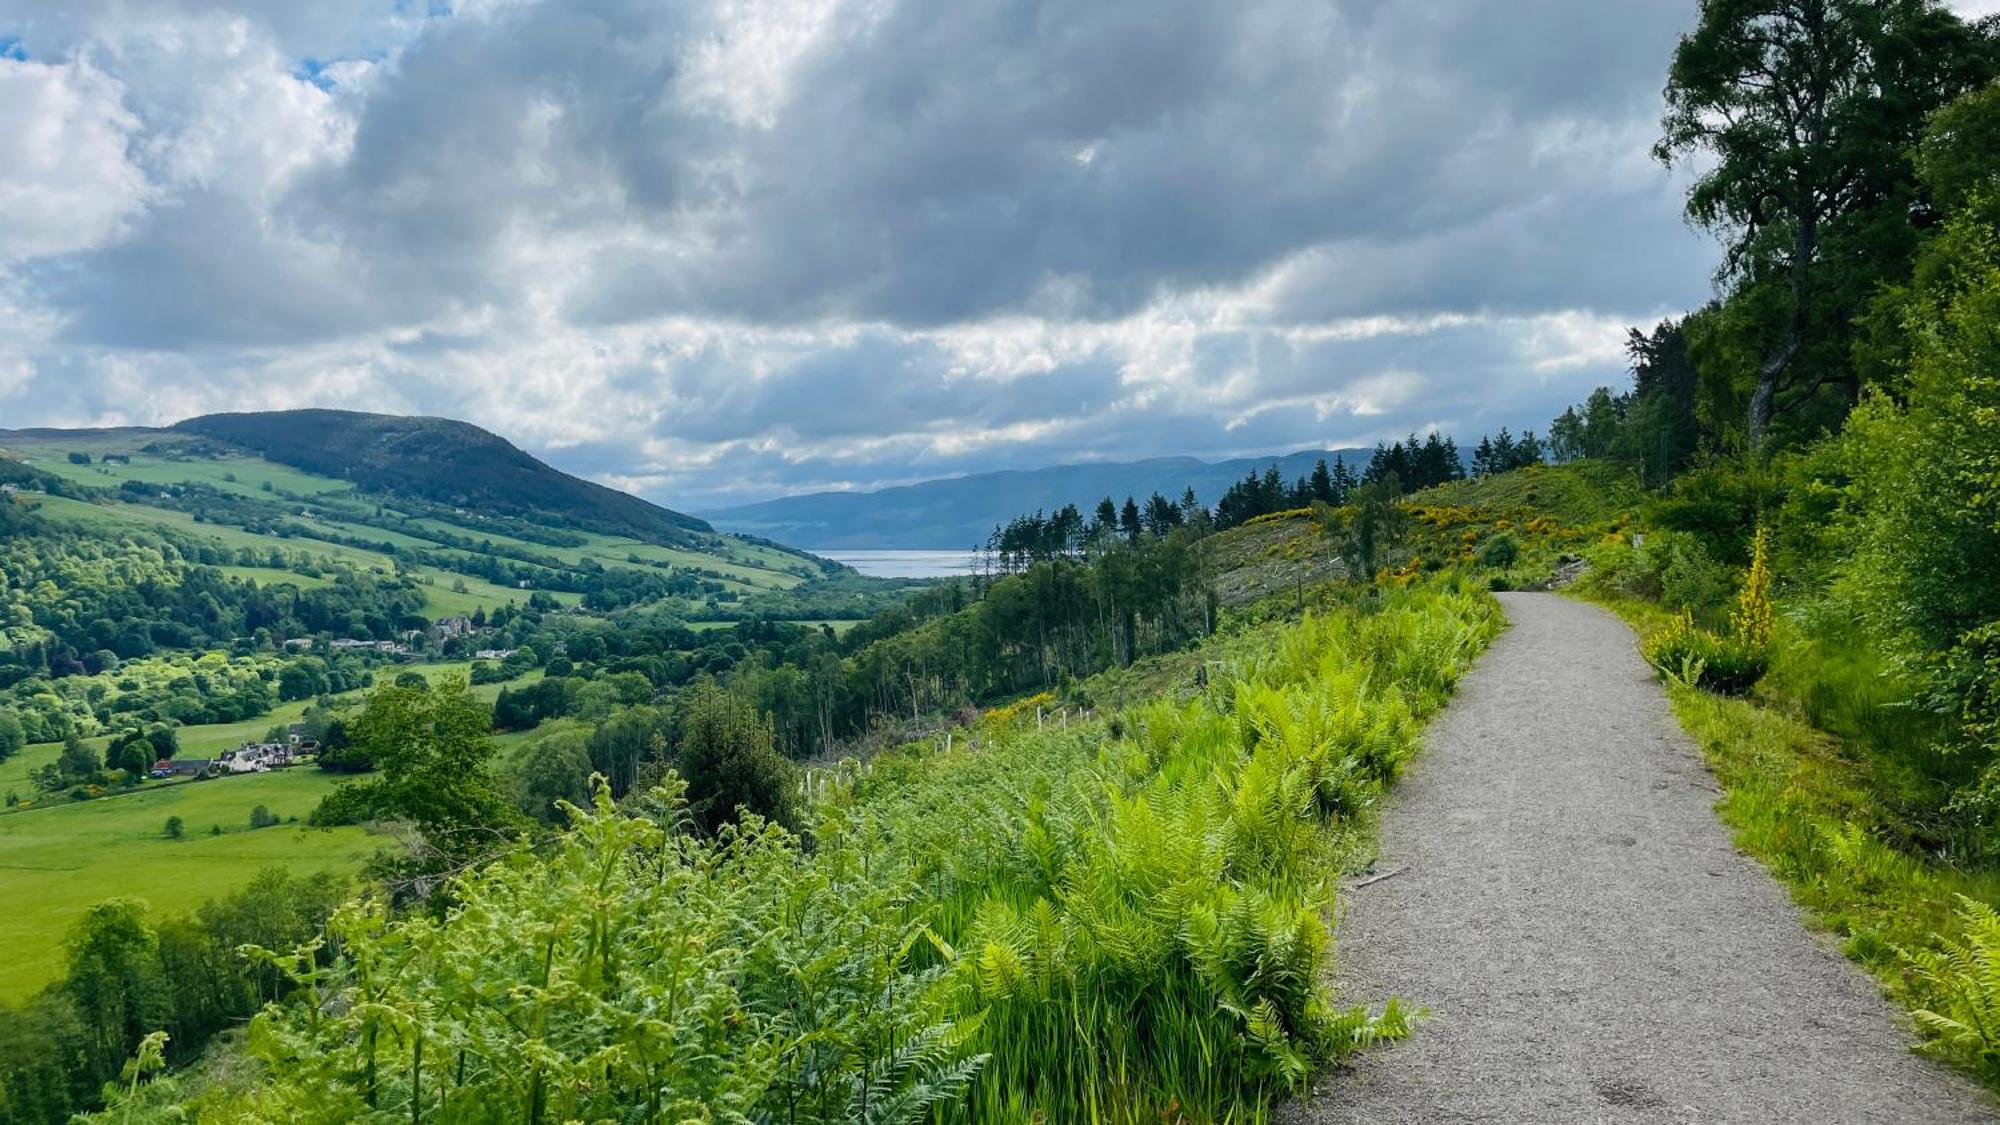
point(467, 517)
point(960, 512)
point(444, 461)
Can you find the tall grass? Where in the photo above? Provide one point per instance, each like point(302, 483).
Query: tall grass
point(1815, 816)
point(1039, 925)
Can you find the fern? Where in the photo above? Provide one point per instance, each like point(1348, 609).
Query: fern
point(1961, 979)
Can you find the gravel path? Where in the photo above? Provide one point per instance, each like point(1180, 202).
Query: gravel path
point(1588, 943)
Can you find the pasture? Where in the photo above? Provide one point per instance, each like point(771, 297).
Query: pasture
point(58, 861)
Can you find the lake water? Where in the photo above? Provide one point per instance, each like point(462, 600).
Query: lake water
point(904, 563)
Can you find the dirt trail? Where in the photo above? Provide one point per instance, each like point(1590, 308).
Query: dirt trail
point(1589, 944)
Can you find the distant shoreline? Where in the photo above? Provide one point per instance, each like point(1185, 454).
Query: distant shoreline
point(903, 562)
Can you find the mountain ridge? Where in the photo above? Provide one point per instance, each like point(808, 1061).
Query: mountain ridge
point(959, 512)
point(477, 518)
point(399, 453)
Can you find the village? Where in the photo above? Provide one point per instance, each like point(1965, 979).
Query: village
point(251, 757)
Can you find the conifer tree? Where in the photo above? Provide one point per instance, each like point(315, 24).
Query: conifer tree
point(1321, 485)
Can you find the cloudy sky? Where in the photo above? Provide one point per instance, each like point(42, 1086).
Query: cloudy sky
point(718, 250)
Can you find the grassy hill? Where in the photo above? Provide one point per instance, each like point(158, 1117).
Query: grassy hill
point(444, 461)
point(474, 520)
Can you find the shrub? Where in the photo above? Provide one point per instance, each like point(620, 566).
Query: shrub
point(1689, 577)
point(1734, 666)
point(261, 817)
point(1754, 616)
point(1618, 570)
point(728, 756)
point(1499, 552)
point(1686, 652)
point(348, 804)
point(175, 828)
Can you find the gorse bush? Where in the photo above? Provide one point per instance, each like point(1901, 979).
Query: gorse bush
point(1755, 616)
point(1499, 551)
point(1039, 925)
point(1730, 663)
point(1684, 651)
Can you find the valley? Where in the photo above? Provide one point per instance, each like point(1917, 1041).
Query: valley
point(1194, 564)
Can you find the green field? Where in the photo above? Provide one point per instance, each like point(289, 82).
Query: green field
point(245, 474)
point(211, 740)
point(440, 597)
point(112, 516)
point(64, 856)
point(839, 627)
point(443, 599)
point(269, 576)
point(57, 862)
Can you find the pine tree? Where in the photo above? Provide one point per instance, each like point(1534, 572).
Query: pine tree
point(1321, 487)
point(1128, 520)
point(1343, 481)
point(1106, 520)
point(1271, 494)
point(1530, 450)
point(1431, 465)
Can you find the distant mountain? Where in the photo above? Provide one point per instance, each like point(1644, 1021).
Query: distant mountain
point(474, 520)
point(445, 462)
point(960, 512)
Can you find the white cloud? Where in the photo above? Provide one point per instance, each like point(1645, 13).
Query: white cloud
point(726, 248)
point(66, 183)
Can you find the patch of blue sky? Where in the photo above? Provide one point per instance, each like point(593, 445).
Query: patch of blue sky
point(314, 71)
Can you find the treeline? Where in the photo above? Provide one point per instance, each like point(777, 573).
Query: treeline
point(1034, 538)
point(73, 602)
point(1412, 464)
point(1061, 614)
point(1404, 466)
point(129, 974)
point(479, 556)
point(1839, 395)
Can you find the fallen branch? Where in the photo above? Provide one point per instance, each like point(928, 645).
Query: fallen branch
point(1373, 879)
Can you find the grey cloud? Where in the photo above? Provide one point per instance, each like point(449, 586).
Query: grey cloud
point(829, 422)
point(932, 173)
point(201, 271)
point(961, 160)
point(878, 385)
point(740, 304)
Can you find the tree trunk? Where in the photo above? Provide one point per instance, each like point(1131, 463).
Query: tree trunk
point(1764, 398)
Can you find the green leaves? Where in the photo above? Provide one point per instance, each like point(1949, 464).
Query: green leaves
point(1962, 979)
point(1039, 924)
